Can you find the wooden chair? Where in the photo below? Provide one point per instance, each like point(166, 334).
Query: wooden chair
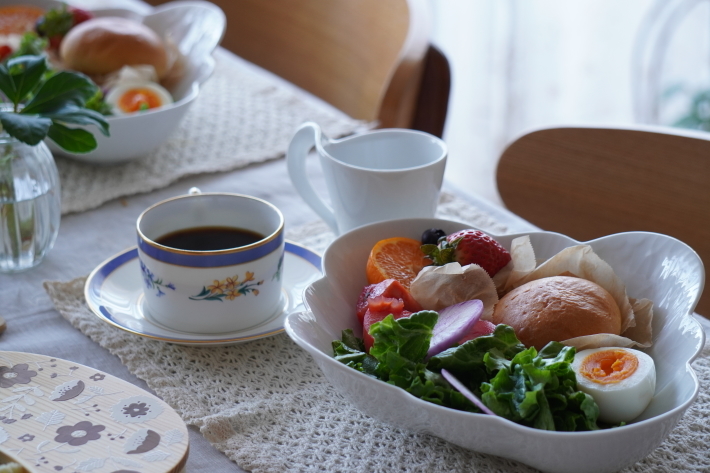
point(590, 182)
point(369, 58)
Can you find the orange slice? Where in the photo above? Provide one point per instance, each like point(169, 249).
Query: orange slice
point(18, 19)
point(396, 258)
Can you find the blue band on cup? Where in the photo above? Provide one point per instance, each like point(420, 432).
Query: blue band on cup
point(206, 260)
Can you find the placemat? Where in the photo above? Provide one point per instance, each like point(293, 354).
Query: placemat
point(267, 406)
point(241, 117)
point(77, 419)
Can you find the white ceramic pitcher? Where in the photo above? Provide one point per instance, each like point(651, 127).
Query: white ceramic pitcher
point(374, 176)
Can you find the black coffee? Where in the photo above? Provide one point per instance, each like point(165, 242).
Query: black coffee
point(209, 238)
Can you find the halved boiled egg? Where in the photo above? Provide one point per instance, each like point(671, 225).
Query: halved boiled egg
point(135, 97)
point(622, 381)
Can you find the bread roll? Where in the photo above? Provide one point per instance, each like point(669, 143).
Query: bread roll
point(103, 45)
point(556, 309)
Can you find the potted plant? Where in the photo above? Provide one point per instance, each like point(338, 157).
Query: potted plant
point(37, 103)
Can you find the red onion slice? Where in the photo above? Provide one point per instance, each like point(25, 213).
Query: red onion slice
point(466, 392)
point(453, 324)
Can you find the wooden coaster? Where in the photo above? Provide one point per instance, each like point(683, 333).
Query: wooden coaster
point(60, 416)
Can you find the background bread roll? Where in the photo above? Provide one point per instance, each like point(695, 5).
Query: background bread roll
point(558, 308)
point(104, 45)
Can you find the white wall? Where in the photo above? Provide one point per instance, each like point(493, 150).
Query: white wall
point(523, 64)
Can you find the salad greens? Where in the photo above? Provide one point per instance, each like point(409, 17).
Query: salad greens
point(534, 389)
point(31, 45)
point(98, 104)
point(402, 346)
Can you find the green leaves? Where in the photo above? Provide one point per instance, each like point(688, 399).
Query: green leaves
point(79, 116)
point(26, 72)
point(31, 128)
point(73, 139)
point(50, 105)
point(20, 76)
point(350, 349)
point(63, 88)
point(501, 346)
point(31, 45)
point(540, 390)
point(442, 253)
point(408, 336)
point(697, 117)
point(534, 389)
point(396, 357)
point(7, 84)
point(350, 340)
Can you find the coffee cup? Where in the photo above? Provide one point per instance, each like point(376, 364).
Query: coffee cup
point(211, 262)
point(374, 176)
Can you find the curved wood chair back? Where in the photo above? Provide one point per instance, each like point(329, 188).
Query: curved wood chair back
point(591, 182)
point(369, 58)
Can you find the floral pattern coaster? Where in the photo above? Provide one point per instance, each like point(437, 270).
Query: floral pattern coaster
point(59, 416)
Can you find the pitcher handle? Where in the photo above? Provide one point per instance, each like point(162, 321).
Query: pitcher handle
point(307, 136)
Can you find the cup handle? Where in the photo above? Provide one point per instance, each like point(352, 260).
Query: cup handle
point(302, 142)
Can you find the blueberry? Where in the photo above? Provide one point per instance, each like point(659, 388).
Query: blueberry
point(432, 236)
point(39, 26)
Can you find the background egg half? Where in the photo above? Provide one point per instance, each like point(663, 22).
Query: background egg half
point(137, 97)
point(622, 381)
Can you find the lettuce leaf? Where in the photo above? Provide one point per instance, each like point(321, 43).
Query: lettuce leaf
point(534, 389)
point(397, 358)
point(466, 361)
point(408, 336)
point(350, 351)
point(540, 390)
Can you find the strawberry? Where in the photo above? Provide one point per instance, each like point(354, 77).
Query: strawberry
point(469, 247)
point(5, 51)
point(80, 15)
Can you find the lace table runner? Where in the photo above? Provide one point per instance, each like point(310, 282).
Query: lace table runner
point(240, 117)
point(268, 407)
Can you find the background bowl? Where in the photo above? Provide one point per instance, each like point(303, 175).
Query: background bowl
point(653, 266)
point(196, 28)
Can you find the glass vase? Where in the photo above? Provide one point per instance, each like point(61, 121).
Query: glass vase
point(30, 205)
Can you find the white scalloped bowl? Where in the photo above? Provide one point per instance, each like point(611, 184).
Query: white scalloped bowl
point(196, 28)
point(653, 266)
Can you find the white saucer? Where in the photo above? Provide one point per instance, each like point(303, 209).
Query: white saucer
point(114, 292)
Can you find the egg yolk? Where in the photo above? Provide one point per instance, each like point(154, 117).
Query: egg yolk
point(135, 100)
point(609, 366)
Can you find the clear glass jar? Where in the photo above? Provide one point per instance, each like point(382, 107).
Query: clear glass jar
point(30, 205)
